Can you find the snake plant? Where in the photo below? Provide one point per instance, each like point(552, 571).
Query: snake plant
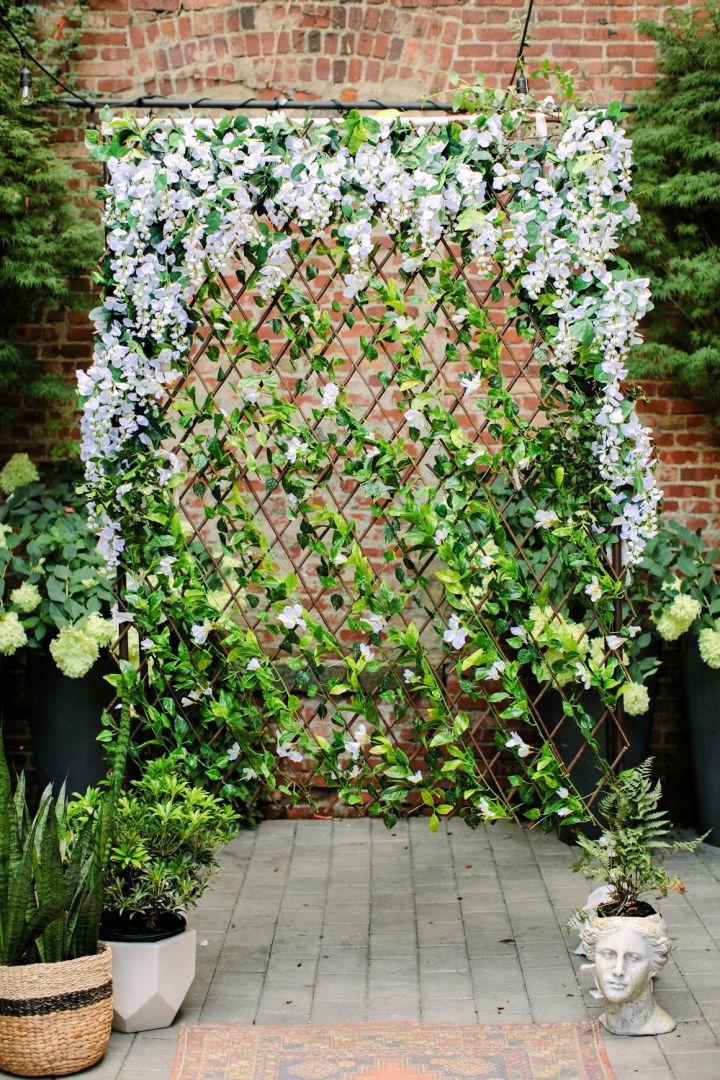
point(52, 879)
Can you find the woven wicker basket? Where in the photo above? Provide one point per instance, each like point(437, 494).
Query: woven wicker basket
point(55, 1018)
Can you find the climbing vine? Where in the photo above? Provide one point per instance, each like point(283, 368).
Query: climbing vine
point(232, 631)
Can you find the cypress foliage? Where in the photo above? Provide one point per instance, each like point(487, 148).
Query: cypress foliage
point(676, 134)
point(45, 240)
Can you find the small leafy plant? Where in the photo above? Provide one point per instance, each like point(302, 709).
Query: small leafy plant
point(627, 855)
point(168, 833)
point(51, 878)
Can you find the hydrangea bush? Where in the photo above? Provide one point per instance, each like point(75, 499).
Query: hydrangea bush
point(682, 575)
point(236, 640)
point(55, 589)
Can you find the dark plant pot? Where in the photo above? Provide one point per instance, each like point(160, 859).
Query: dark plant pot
point(569, 741)
point(702, 716)
point(65, 722)
point(168, 925)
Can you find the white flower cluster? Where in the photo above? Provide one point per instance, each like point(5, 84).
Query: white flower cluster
point(185, 195)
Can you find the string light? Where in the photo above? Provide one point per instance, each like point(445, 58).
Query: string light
point(522, 84)
point(26, 85)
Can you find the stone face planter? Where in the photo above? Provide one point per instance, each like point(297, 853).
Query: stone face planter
point(55, 1018)
point(702, 715)
point(150, 980)
point(626, 953)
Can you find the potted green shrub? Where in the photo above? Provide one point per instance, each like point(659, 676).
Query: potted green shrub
point(55, 973)
point(626, 938)
point(55, 599)
point(168, 834)
point(685, 585)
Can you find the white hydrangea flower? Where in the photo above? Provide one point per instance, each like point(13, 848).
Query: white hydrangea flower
point(25, 597)
point(12, 633)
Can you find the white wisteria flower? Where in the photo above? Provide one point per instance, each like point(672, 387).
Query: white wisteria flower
point(409, 675)
point(249, 773)
point(366, 651)
point(404, 323)
point(416, 777)
point(456, 634)
point(614, 641)
point(563, 811)
point(234, 752)
point(562, 793)
point(441, 535)
point(566, 227)
point(292, 617)
point(253, 664)
point(516, 741)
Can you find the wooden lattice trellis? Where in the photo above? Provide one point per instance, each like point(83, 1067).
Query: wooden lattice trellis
point(408, 331)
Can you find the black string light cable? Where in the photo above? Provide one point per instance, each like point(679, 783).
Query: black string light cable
point(26, 74)
point(522, 84)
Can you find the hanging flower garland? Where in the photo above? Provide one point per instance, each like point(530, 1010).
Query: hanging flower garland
point(183, 198)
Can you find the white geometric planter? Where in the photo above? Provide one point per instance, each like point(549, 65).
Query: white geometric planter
point(150, 980)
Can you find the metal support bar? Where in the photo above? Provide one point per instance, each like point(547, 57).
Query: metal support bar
point(274, 105)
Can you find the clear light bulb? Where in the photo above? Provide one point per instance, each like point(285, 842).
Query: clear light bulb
point(26, 86)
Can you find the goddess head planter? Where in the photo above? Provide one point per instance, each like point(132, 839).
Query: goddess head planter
point(627, 953)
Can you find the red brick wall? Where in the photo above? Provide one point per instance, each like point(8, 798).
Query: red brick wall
point(354, 48)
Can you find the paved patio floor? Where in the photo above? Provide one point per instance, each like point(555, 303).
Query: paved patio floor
point(317, 921)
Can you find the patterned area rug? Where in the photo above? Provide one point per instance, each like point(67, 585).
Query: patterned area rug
point(393, 1051)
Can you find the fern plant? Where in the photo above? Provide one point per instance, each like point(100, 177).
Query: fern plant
point(628, 855)
point(52, 881)
point(676, 148)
